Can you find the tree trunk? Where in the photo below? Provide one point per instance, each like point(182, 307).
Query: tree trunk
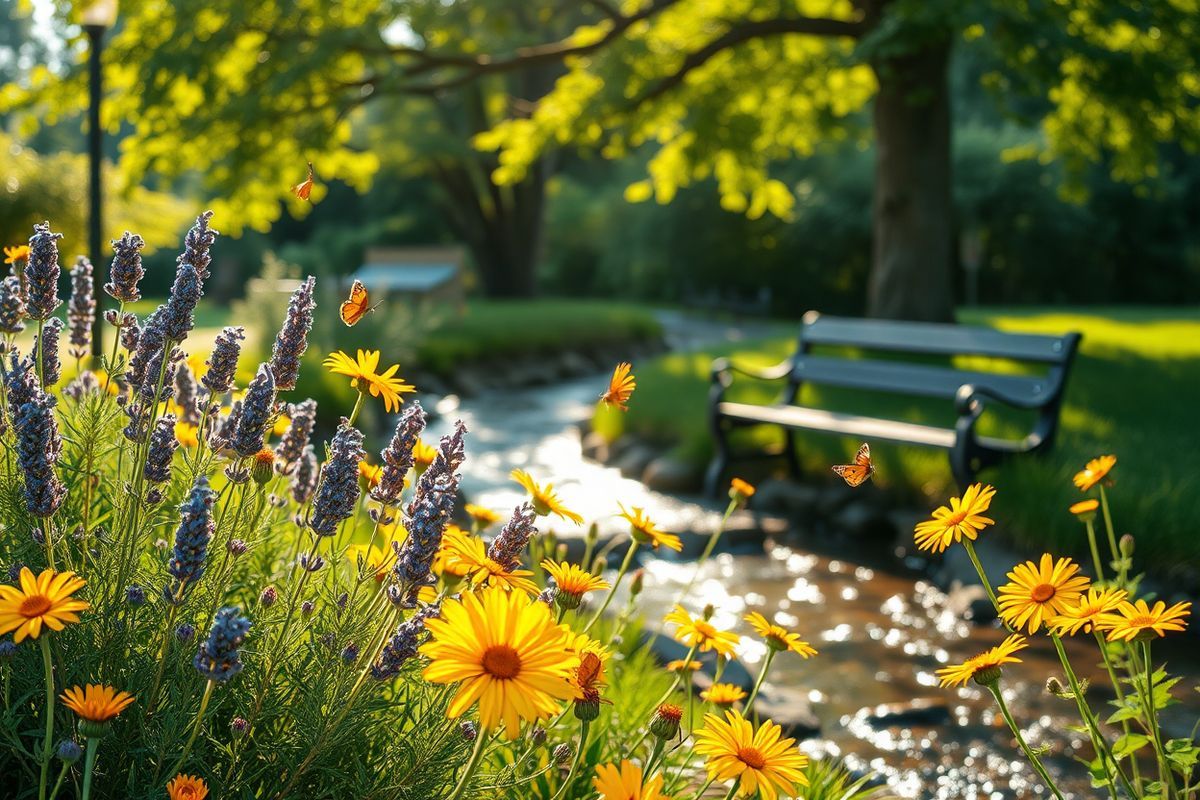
point(912, 250)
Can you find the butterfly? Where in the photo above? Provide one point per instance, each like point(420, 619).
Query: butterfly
point(620, 387)
point(589, 675)
point(856, 474)
point(303, 190)
point(357, 306)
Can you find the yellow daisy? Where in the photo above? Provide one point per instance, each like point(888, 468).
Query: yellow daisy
point(187, 787)
point(985, 667)
point(470, 556)
point(1137, 621)
point(699, 632)
point(761, 761)
point(644, 531)
point(505, 653)
point(282, 423)
point(679, 665)
point(364, 376)
point(482, 517)
point(545, 501)
point(1096, 470)
point(740, 490)
point(1091, 612)
point(572, 581)
point(1039, 592)
point(42, 600)
point(15, 253)
point(779, 638)
point(723, 695)
point(187, 434)
point(626, 783)
point(964, 517)
point(1085, 509)
point(96, 703)
point(371, 473)
point(447, 561)
point(423, 455)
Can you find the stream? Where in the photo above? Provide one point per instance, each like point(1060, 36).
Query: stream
point(881, 628)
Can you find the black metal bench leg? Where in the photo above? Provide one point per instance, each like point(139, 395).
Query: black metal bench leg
point(789, 453)
point(961, 466)
point(720, 460)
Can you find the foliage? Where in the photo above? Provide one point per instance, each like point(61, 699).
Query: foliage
point(1127, 392)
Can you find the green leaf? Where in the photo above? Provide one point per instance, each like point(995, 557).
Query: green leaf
point(1128, 744)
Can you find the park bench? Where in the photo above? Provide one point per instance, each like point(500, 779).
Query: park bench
point(864, 369)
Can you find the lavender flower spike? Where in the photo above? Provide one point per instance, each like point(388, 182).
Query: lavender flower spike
point(403, 644)
point(508, 545)
point(48, 350)
point(398, 456)
point(181, 304)
point(257, 407)
point(219, 658)
point(295, 438)
point(21, 381)
point(187, 394)
point(198, 243)
point(163, 445)
point(429, 513)
point(126, 270)
point(41, 272)
point(12, 306)
point(195, 530)
point(292, 340)
point(337, 493)
point(304, 476)
point(38, 449)
point(222, 363)
point(151, 340)
point(81, 309)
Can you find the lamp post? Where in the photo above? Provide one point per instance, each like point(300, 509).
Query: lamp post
point(97, 17)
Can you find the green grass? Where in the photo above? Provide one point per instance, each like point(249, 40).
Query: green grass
point(1132, 392)
point(502, 328)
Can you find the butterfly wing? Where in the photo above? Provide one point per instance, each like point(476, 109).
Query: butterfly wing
point(589, 670)
point(304, 190)
point(620, 387)
point(355, 308)
point(863, 456)
point(853, 474)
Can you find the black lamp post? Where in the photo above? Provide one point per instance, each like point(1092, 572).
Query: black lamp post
point(97, 18)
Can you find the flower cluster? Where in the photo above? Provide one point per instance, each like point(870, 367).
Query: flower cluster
point(126, 270)
point(81, 309)
point(397, 457)
point(403, 644)
point(258, 409)
point(337, 492)
point(292, 340)
point(222, 363)
point(294, 441)
point(41, 273)
point(219, 657)
point(196, 526)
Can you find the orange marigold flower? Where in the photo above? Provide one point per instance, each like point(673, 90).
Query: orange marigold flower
point(42, 600)
point(1085, 509)
point(15, 253)
point(644, 531)
point(95, 702)
point(963, 518)
point(187, 787)
point(740, 490)
point(545, 501)
point(1096, 470)
point(1040, 592)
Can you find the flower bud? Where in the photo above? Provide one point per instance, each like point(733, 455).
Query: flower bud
point(562, 753)
point(665, 722)
point(350, 653)
point(538, 736)
point(185, 633)
point(740, 491)
point(709, 610)
point(239, 726)
point(1126, 545)
point(638, 583)
point(236, 547)
point(263, 468)
point(268, 597)
point(307, 608)
point(469, 731)
point(135, 595)
point(69, 751)
point(588, 708)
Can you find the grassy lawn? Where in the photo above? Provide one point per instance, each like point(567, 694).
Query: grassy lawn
point(498, 328)
point(1132, 392)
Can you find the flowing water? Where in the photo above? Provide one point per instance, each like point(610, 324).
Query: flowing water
point(881, 629)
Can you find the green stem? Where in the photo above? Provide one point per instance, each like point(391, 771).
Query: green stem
point(1112, 676)
point(47, 745)
point(762, 675)
point(89, 762)
point(1029, 754)
point(112, 361)
point(152, 697)
point(1091, 531)
point(667, 695)
point(982, 575)
point(187, 748)
point(62, 773)
point(583, 732)
point(468, 772)
point(733, 789)
point(1166, 778)
point(1112, 538)
point(358, 404)
point(1099, 744)
point(633, 545)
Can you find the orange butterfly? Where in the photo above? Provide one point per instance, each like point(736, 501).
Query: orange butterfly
point(303, 190)
point(589, 677)
point(620, 387)
point(856, 474)
point(357, 306)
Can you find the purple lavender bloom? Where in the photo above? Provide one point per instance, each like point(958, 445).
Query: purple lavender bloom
point(313, 564)
point(304, 476)
point(12, 306)
point(163, 445)
point(41, 273)
point(219, 658)
point(185, 632)
point(198, 243)
point(508, 545)
point(135, 595)
point(257, 407)
point(38, 449)
point(403, 644)
point(397, 457)
point(350, 653)
point(151, 341)
point(226, 425)
point(295, 438)
point(7, 650)
point(130, 333)
point(195, 530)
point(268, 596)
point(187, 394)
point(21, 381)
point(81, 309)
point(47, 350)
point(429, 513)
point(222, 363)
point(292, 340)
point(126, 270)
point(337, 493)
point(181, 305)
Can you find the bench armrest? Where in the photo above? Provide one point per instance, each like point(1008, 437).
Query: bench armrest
point(968, 395)
point(722, 369)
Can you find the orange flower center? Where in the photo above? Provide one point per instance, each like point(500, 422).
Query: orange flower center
point(1042, 593)
point(1142, 621)
point(501, 661)
point(705, 630)
point(186, 793)
point(35, 605)
point(956, 518)
point(751, 757)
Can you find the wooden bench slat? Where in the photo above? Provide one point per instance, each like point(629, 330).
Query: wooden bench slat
point(921, 380)
point(933, 338)
point(869, 428)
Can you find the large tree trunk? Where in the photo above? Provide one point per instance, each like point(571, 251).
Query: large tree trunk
point(912, 251)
